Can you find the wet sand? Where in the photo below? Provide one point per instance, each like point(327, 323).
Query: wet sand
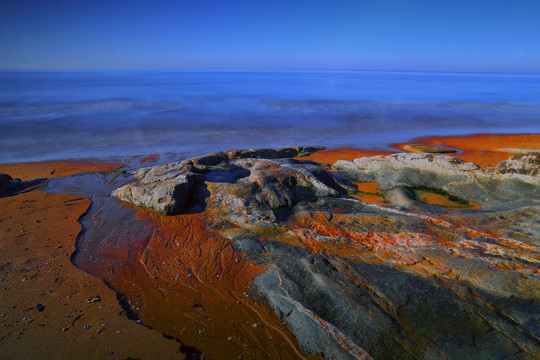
point(193, 285)
point(190, 282)
point(49, 169)
point(80, 316)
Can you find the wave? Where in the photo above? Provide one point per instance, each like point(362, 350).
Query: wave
point(111, 105)
point(287, 103)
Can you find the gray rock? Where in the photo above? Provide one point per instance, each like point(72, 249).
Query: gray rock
point(463, 179)
point(165, 196)
point(4, 179)
point(271, 183)
point(526, 164)
point(354, 280)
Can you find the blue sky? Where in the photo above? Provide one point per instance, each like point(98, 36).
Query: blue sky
point(411, 35)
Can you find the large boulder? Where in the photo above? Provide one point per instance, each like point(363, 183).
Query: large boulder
point(165, 196)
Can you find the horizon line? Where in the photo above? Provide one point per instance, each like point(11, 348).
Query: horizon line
point(194, 69)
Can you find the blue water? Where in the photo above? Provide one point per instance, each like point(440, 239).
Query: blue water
point(60, 115)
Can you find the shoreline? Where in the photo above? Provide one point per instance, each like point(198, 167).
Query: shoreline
point(112, 162)
point(484, 149)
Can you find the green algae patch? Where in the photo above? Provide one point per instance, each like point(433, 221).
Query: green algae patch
point(365, 193)
point(123, 172)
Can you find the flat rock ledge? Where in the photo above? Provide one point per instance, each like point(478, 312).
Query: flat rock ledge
point(513, 180)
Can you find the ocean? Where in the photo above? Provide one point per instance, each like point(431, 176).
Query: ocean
point(47, 115)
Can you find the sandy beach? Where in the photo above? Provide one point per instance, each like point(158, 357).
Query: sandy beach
point(189, 281)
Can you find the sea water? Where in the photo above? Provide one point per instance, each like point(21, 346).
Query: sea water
point(79, 114)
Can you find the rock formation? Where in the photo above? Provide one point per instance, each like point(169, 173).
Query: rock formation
point(10, 186)
point(353, 280)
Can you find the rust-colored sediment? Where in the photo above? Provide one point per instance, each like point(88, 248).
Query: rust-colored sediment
point(191, 284)
point(443, 200)
point(369, 192)
point(37, 238)
point(48, 169)
point(149, 159)
point(485, 150)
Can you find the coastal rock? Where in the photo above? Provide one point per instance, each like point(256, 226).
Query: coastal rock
point(358, 281)
point(270, 153)
point(463, 179)
point(438, 164)
point(274, 182)
point(10, 186)
point(165, 196)
point(525, 163)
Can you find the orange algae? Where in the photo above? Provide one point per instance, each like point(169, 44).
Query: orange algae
point(486, 150)
point(376, 239)
point(191, 284)
point(48, 169)
point(441, 198)
point(437, 199)
point(369, 192)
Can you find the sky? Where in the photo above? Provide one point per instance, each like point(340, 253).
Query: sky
point(401, 35)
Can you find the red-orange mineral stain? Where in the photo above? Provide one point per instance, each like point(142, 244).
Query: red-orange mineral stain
point(190, 283)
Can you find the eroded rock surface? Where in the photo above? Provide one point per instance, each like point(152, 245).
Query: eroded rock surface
point(409, 280)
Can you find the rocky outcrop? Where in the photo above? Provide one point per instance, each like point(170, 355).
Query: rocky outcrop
point(272, 182)
point(354, 280)
point(463, 179)
point(525, 164)
point(164, 196)
point(10, 186)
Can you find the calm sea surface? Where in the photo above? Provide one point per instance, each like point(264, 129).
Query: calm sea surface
point(59, 115)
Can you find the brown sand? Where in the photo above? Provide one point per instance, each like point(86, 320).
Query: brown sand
point(48, 169)
point(37, 238)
